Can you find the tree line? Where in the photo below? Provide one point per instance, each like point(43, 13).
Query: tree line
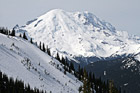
point(7, 32)
point(90, 83)
point(9, 85)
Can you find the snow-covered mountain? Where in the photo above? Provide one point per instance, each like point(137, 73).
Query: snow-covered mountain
point(80, 34)
point(22, 60)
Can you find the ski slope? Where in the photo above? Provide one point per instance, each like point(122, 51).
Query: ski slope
point(22, 60)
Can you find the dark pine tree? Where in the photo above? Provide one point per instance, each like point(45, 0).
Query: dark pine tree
point(58, 58)
point(86, 83)
point(79, 72)
point(24, 36)
point(8, 85)
point(72, 66)
point(13, 32)
point(48, 51)
point(65, 72)
point(40, 47)
point(43, 48)
point(31, 41)
point(20, 35)
point(63, 61)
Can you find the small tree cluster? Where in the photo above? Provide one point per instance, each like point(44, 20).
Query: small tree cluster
point(7, 32)
point(24, 36)
point(42, 47)
point(9, 85)
point(90, 83)
point(11, 33)
point(67, 67)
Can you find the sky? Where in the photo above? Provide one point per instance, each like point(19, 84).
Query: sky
point(122, 14)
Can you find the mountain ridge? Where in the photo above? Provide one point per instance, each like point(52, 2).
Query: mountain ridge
point(79, 34)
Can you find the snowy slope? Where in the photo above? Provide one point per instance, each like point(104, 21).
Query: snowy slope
point(79, 34)
point(22, 60)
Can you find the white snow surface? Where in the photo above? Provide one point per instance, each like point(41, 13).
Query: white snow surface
point(79, 34)
point(137, 57)
point(23, 60)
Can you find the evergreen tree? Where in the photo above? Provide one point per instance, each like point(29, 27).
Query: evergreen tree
point(65, 72)
point(86, 86)
point(24, 36)
point(63, 61)
point(93, 77)
point(13, 32)
point(79, 72)
point(20, 35)
point(48, 51)
point(72, 66)
point(69, 70)
point(58, 58)
point(85, 82)
point(43, 49)
point(31, 41)
point(112, 88)
point(4, 30)
point(1, 84)
point(40, 46)
point(8, 85)
point(80, 89)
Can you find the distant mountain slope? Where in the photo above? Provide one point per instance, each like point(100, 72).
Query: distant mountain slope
point(80, 34)
point(22, 60)
point(125, 72)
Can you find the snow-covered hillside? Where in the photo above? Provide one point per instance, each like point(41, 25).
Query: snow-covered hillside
point(79, 34)
point(23, 60)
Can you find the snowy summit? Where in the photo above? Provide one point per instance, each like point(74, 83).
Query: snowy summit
point(77, 34)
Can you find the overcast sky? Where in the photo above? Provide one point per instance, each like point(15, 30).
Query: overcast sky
point(123, 14)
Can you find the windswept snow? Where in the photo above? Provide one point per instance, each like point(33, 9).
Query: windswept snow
point(22, 60)
point(80, 34)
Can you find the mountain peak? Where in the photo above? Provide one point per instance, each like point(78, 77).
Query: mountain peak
point(79, 34)
point(86, 18)
point(54, 12)
point(90, 18)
